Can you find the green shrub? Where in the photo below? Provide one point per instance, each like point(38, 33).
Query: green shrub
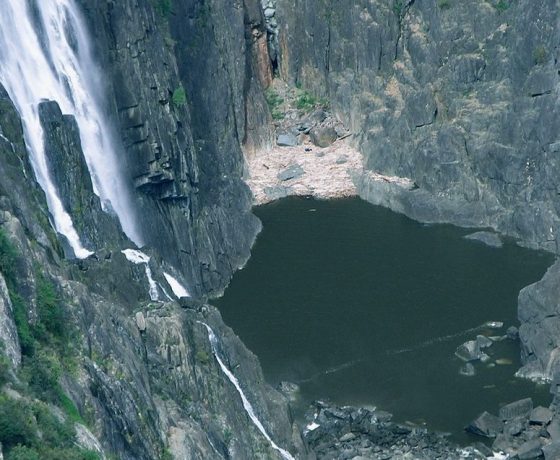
point(8, 259)
point(444, 4)
point(53, 432)
point(69, 407)
point(202, 357)
point(308, 102)
point(50, 453)
point(398, 7)
point(23, 453)
point(5, 366)
point(26, 340)
point(274, 102)
point(17, 423)
point(52, 318)
point(42, 371)
point(179, 97)
point(162, 7)
point(501, 5)
point(540, 55)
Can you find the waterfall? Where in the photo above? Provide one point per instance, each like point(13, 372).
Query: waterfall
point(246, 404)
point(45, 54)
point(138, 257)
point(177, 288)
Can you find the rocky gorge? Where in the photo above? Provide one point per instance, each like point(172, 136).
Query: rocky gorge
point(111, 355)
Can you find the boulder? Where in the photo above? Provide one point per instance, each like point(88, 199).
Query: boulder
point(486, 424)
point(140, 321)
point(291, 172)
point(551, 451)
point(554, 430)
point(277, 192)
point(471, 351)
point(540, 416)
point(322, 136)
point(483, 341)
point(515, 426)
point(520, 408)
point(512, 333)
point(529, 450)
point(287, 140)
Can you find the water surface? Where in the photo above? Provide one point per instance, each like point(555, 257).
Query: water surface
point(363, 306)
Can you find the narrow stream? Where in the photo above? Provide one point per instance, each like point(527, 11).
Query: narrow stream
point(363, 306)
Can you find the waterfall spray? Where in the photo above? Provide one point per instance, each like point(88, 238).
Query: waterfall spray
point(45, 54)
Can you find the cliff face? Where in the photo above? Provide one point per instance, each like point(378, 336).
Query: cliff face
point(136, 378)
point(132, 368)
point(185, 91)
point(461, 97)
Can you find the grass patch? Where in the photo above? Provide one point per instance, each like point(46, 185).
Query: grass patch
point(179, 97)
point(444, 4)
point(162, 7)
point(307, 102)
point(274, 102)
point(202, 357)
point(540, 55)
point(398, 7)
point(501, 5)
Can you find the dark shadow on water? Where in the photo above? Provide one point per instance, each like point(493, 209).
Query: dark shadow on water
point(360, 305)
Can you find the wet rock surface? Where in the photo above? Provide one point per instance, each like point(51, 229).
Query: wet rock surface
point(361, 433)
point(488, 238)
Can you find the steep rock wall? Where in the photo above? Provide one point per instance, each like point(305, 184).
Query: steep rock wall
point(461, 97)
point(184, 88)
point(140, 375)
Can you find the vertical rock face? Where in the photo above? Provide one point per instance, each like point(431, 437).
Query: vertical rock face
point(461, 97)
point(68, 168)
point(8, 332)
point(185, 87)
point(147, 389)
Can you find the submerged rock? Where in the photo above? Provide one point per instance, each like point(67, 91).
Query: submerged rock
point(467, 370)
point(488, 238)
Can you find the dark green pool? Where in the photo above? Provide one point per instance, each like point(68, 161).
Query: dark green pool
point(364, 306)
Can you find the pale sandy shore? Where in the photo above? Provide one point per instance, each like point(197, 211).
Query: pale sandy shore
point(327, 172)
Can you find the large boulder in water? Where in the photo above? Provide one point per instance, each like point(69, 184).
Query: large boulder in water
point(487, 425)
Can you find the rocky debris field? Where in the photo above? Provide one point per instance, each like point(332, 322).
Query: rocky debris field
point(360, 434)
point(313, 153)
point(521, 431)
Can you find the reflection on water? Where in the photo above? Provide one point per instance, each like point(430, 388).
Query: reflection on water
point(364, 306)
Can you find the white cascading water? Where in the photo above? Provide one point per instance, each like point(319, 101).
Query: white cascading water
point(177, 288)
point(45, 54)
point(137, 258)
point(246, 404)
